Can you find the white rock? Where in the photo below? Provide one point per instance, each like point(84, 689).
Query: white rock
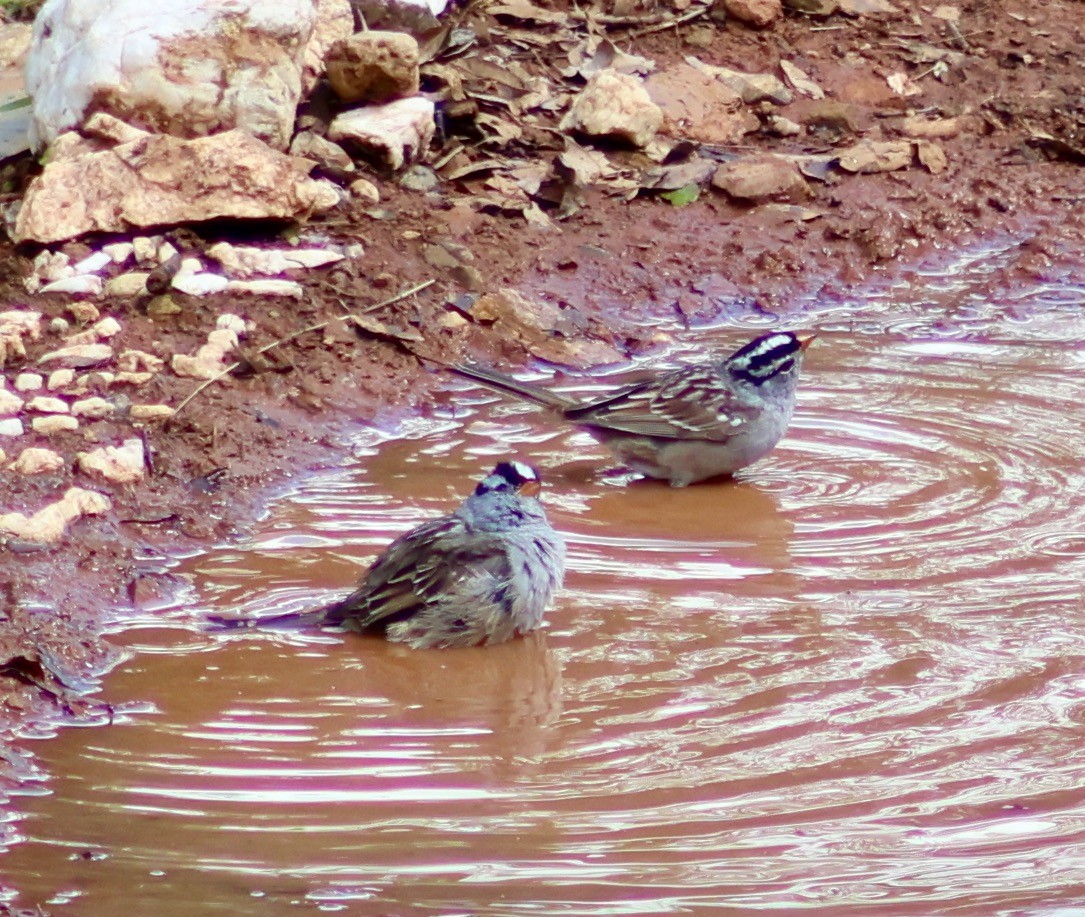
point(48, 525)
point(79, 355)
point(131, 284)
point(615, 104)
point(36, 460)
point(50, 266)
point(122, 464)
point(164, 180)
point(201, 284)
point(83, 312)
point(198, 367)
point(131, 378)
point(46, 404)
point(28, 382)
point(11, 426)
point(231, 322)
point(397, 132)
point(54, 423)
point(81, 283)
point(223, 339)
point(267, 287)
point(150, 412)
point(354, 250)
point(60, 379)
point(166, 251)
point(137, 360)
point(106, 328)
point(92, 264)
point(365, 191)
point(187, 67)
point(93, 407)
point(119, 252)
point(145, 248)
point(247, 260)
point(60, 325)
point(10, 403)
point(335, 20)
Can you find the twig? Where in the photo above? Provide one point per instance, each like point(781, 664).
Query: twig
point(297, 334)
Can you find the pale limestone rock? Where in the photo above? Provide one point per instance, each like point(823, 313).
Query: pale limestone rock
point(373, 66)
point(131, 378)
point(93, 407)
point(60, 326)
point(119, 252)
point(15, 325)
point(83, 312)
point(397, 132)
point(106, 328)
point(124, 464)
point(231, 322)
point(365, 191)
point(150, 412)
point(201, 284)
point(334, 21)
point(210, 359)
point(247, 260)
point(11, 426)
point(762, 179)
point(132, 284)
point(188, 68)
point(28, 382)
point(60, 379)
point(757, 13)
point(321, 150)
point(267, 287)
point(139, 361)
point(165, 252)
point(145, 248)
point(10, 403)
point(36, 460)
point(48, 524)
point(50, 266)
point(79, 355)
point(92, 264)
point(615, 105)
point(54, 423)
point(89, 284)
point(160, 179)
point(14, 43)
point(47, 404)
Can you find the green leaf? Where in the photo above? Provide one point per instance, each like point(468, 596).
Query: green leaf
point(687, 194)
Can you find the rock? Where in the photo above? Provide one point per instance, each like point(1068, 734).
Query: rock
point(48, 525)
point(119, 252)
point(698, 107)
point(758, 13)
point(931, 128)
point(11, 426)
point(83, 312)
point(127, 285)
point(10, 403)
point(60, 326)
point(201, 284)
point(373, 66)
point(79, 356)
point(35, 460)
point(614, 105)
point(396, 132)
point(209, 361)
point(93, 407)
point(247, 260)
point(28, 382)
point(145, 249)
point(132, 378)
point(60, 379)
point(230, 322)
point(163, 180)
point(321, 151)
point(759, 180)
point(267, 288)
point(46, 404)
point(150, 412)
point(189, 68)
point(54, 423)
point(365, 191)
point(335, 21)
point(547, 331)
point(124, 464)
point(139, 360)
point(419, 178)
point(753, 87)
point(876, 156)
point(15, 325)
point(88, 284)
point(92, 264)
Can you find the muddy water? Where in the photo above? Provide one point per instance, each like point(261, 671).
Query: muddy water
point(854, 680)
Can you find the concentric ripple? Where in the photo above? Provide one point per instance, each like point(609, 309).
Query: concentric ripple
point(852, 681)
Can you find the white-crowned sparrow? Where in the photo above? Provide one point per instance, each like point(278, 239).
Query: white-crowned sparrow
point(697, 422)
point(482, 574)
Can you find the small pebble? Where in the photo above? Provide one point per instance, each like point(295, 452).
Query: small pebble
point(119, 252)
point(10, 403)
point(28, 382)
point(365, 191)
point(150, 412)
point(60, 378)
point(46, 404)
point(93, 407)
point(83, 312)
point(92, 264)
point(108, 327)
point(37, 461)
point(54, 423)
point(145, 248)
point(81, 283)
point(60, 325)
point(11, 426)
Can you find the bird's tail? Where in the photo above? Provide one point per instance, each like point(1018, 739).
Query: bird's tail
point(502, 383)
point(292, 620)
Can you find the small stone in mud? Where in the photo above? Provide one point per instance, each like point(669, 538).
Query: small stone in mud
point(79, 355)
point(10, 403)
point(46, 404)
point(28, 382)
point(139, 361)
point(48, 524)
point(60, 379)
point(36, 460)
point(151, 412)
point(11, 426)
point(93, 407)
point(83, 312)
point(54, 423)
point(123, 464)
point(365, 191)
point(132, 284)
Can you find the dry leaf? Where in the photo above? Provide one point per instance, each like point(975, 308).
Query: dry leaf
point(800, 82)
point(932, 156)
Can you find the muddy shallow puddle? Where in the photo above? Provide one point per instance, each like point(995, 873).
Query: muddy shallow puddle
point(854, 679)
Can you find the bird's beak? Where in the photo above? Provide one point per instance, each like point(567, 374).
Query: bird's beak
point(530, 489)
point(805, 339)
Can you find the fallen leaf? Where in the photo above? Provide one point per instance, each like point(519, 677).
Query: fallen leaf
point(682, 196)
point(800, 82)
point(932, 156)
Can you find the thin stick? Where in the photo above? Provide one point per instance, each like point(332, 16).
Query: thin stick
point(297, 334)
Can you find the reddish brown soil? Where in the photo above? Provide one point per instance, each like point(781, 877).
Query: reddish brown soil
point(614, 266)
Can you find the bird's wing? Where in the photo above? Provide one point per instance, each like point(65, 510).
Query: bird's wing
point(687, 403)
point(415, 571)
